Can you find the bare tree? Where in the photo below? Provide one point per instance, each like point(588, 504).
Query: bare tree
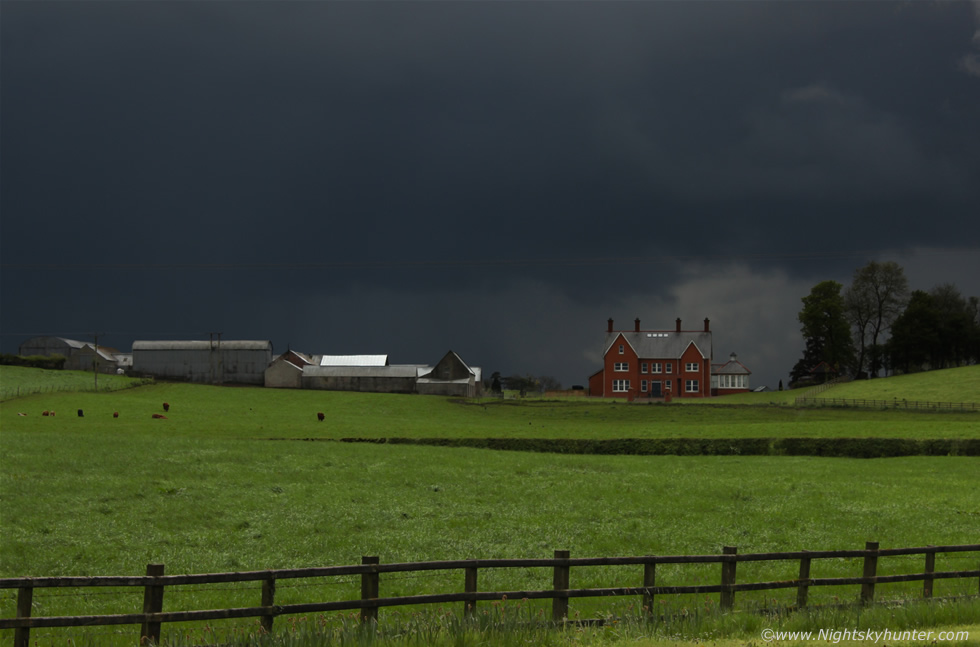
point(876, 296)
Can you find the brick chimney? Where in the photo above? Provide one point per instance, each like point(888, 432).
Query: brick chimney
point(678, 324)
point(707, 327)
point(636, 325)
point(610, 325)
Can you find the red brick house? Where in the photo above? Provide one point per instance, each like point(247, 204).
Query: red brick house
point(654, 363)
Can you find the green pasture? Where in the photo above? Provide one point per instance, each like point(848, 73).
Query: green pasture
point(253, 412)
point(228, 482)
point(19, 381)
point(949, 385)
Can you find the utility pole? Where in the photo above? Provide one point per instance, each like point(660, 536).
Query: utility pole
point(95, 362)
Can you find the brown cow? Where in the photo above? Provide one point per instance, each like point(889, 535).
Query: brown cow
point(166, 406)
point(320, 416)
point(44, 413)
point(159, 415)
point(115, 414)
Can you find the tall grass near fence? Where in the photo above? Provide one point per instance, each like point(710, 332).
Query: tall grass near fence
point(19, 381)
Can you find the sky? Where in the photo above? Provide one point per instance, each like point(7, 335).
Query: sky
point(494, 177)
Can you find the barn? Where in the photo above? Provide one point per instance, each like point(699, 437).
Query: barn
point(286, 371)
point(365, 373)
point(51, 346)
point(451, 376)
point(210, 362)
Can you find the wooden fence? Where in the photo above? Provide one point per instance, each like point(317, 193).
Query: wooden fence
point(888, 404)
point(154, 584)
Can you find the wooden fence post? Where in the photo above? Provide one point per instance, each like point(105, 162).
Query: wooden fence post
point(930, 569)
point(469, 586)
point(152, 603)
point(649, 581)
point(870, 571)
point(804, 579)
point(728, 578)
point(268, 600)
point(369, 589)
point(559, 604)
point(25, 597)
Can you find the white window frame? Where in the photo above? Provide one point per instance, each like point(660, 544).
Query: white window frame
point(621, 367)
point(668, 384)
point(643, 386)
point(622, 349)
point(692, 386)
point(656, 367)
point(621, 386)
point(643, 367)
point(692, 367)
point(669, 368)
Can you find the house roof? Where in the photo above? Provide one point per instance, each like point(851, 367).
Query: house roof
point(731, 367)
point(354, 360)
point(656, 344)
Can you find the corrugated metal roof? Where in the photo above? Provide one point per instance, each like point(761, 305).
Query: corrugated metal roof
point(361, 371)
point(231, 344)
point(666, 345)
point(354, 360)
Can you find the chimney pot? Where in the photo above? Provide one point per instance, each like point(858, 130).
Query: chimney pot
point(637, 325)
point(610, 325)
point(678, 324)
point(707, 328)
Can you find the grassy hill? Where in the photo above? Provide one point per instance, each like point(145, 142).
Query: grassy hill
point(947, 385)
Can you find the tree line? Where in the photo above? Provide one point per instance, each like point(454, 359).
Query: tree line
point(877, 325)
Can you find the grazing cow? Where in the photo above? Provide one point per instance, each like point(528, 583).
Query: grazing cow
point(166, 406)
point(44, 413)
point(51, 413)
point(159, 415)
point(22, 414)
point(81, 414)
point(115, 414)
point(320, 416)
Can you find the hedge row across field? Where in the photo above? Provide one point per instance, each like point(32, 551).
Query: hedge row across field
point(828, 447)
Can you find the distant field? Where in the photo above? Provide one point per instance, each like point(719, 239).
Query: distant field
point(19, 381)
point(254, 412)
point(949, 385)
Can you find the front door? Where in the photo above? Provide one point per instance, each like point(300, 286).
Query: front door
point(656, 390)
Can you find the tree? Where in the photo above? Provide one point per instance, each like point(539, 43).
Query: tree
point(938, 329)
point(826, 331)
point(914, 342)
point(876, 296)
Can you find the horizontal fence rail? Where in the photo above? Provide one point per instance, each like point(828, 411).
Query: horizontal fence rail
point(155, 582)
point(888, 404)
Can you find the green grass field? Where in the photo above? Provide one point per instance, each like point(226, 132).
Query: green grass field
point(208, 490)
point(950, 385)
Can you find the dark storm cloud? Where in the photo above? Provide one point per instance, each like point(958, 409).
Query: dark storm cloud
point(326, 167)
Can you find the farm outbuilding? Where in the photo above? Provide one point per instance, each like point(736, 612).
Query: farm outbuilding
point(211, 362)
point(373, 379)
point(50, 346)
point(286, 371)
point(451, 376)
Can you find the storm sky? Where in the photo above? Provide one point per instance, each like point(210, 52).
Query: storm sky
point(493, 177)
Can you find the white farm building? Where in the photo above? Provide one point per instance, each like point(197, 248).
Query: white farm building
point(210, 362)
